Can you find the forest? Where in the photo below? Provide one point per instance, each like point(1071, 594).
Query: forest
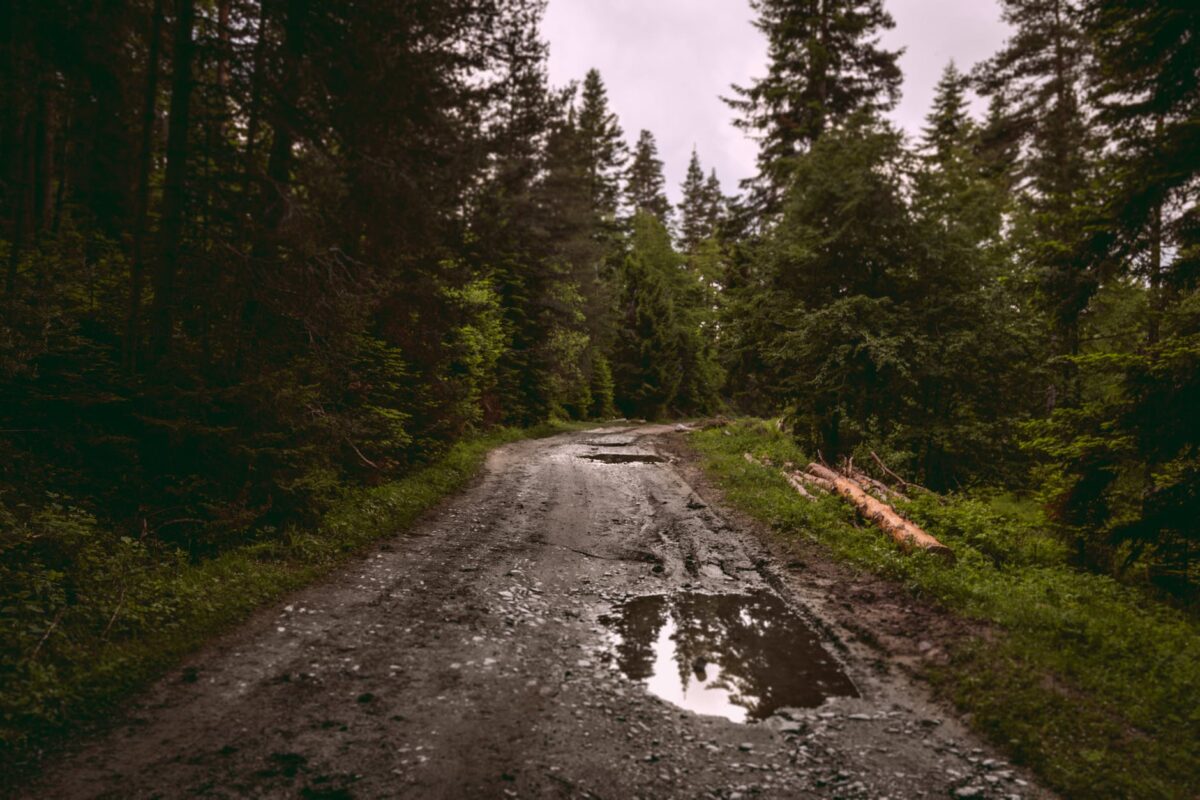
point(259, 255)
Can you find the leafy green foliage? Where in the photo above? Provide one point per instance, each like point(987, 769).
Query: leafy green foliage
point(1125, 469)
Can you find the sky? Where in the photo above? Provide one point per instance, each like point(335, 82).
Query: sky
point(666, 64)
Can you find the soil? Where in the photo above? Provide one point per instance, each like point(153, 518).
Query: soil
point(508, 646)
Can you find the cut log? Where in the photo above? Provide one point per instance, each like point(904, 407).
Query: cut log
point(907, 534)
point(886, 492)
point(820, 483)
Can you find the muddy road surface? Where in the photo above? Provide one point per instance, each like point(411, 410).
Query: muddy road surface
point(579, 623)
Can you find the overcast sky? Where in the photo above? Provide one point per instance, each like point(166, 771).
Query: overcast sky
point(667, 62)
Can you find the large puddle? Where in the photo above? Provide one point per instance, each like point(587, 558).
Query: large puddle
point(624, 458)
point(741, 657)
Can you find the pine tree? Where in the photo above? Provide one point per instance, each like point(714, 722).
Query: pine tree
point(999, 143)
point(647, 363)
point(825, 64)
point(694, 207)
point(510, 243)
point(1145, 84)
point(1042, 67)
point(955, 185)
point(1127, 463)
point(603, 145)
point(714, 201)
point(947, 124)
point(702, 207)
point(644, 182)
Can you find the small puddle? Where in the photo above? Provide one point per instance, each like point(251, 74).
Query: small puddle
point(741, 657)
point(624, 458)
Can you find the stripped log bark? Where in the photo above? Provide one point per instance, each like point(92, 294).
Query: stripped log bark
point(907, 534)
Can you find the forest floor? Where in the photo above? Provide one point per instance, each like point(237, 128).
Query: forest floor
point(527, 638)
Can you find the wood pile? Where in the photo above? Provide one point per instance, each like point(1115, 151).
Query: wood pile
point(872, 498)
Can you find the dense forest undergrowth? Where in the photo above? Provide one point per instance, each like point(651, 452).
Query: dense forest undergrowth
point(262, 255)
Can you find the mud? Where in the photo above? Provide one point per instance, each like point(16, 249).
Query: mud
point(477, 656)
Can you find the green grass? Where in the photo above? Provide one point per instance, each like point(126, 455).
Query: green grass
point(73, 644)
point(1091, 683)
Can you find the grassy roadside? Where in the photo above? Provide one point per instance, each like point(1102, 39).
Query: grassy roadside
point(66, 658)
point(1092, 684)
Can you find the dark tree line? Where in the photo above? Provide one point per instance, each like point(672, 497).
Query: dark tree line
point(255, 250)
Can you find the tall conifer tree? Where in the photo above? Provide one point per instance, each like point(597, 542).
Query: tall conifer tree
point(603, 145)
point(825, 63)
point(1042, 68)
point(693, 208)
point(644, 183)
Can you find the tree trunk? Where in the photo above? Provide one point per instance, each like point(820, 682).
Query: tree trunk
point(174, 188)
point(145, 163)
point(23, 176)
point(279, 166)
point(43, 157)
point(1158, 296)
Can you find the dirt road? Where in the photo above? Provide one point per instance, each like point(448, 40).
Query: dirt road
point(544, 634)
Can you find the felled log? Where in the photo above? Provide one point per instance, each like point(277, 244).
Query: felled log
point(886, 492)
point(907, 534)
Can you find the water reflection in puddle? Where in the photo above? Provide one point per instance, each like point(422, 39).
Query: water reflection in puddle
point(741, 657)
point(624, 458)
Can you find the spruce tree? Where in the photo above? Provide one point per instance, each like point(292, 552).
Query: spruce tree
point(948, 124)
point(714, 202)
point(1146, 86)
point(603, 145)
point(702, 206)
point(644, 182)
point(1128, 462)
point(509, 242)
point(999, 143)
point(1042, 69)
point(648, 367)
point(955, 185)
point(825, 64)
point(694, 207)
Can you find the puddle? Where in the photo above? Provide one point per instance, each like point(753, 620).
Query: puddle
point(625, 458)
point(613, 443)
point(741, 657)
